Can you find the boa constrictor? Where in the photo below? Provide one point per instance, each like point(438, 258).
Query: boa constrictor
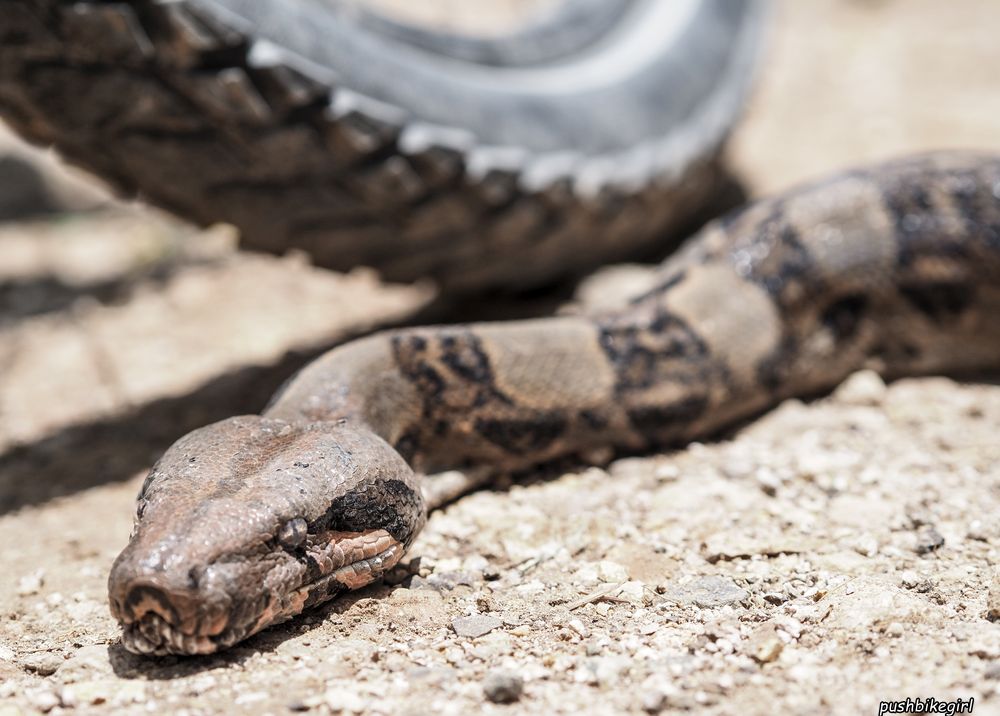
point(249, 521)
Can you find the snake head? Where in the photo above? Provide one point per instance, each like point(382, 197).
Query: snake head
point(246, 522)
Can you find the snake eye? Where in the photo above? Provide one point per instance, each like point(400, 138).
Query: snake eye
point(293, 533)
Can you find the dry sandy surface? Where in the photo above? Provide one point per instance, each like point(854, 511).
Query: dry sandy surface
point(819, 560)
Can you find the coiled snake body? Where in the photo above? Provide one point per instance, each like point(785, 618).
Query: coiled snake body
point(249, 521)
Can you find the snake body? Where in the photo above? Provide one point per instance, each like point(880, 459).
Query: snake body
point(249, 521)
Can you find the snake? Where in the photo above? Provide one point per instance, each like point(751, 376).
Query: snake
point(249, 521)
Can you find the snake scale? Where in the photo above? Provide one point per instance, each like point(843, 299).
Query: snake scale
point(246, 522)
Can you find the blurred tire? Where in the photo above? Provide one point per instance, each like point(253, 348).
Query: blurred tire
point(315, 125)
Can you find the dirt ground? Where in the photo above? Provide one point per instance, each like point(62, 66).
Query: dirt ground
point(824, 558)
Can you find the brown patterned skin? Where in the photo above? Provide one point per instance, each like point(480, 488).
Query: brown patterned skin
point(246, 522)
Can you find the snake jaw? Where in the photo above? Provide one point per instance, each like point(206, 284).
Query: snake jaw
point(354, 561)
point(154, 636)
point(336, 562)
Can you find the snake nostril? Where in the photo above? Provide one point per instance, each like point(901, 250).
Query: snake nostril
point(143, 599)
point(195, 576)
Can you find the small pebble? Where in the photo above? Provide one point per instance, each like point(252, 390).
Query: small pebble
point(993, 599)
point(768, 481)
point(608, 671)
point(494, 645)
point(43, 663)
point(475, 626)
point(768, 651)
point(654, 701)
point(579, 627)
point(977, 531)
point(68, 698)
point(666, 472)
point(706, 592)
point(764, 645)
point(93, 692)
point(866, 545)
point(44, 700)
point(503, 687)
point(31, 583)
point(446, 581)
point(928, 540)
point(343, 701)
point(865, 387)
point(611, 572)
point(633, 592)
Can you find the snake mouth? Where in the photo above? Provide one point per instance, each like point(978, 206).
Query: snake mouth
point(152, 635)
point(157, 621)
point(155, 629)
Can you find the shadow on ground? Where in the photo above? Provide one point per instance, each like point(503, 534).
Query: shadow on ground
point(39, 295)
point(116, 448)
